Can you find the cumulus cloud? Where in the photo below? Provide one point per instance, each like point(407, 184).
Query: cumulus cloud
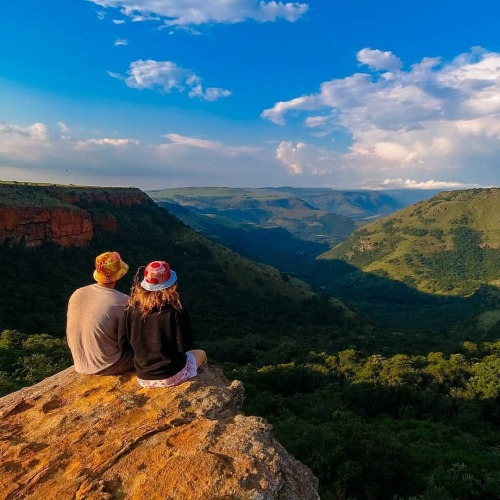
point(437, 116)
point(120, 42)
point(379, 60)
point(197, 12)
point(290, 155)
point(306, 159)
point(18, 143)
point(277, 113)
point(166, 76)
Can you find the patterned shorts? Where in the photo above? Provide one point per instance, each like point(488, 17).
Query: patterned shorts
point(189, 371)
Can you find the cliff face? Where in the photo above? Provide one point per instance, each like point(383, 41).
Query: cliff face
point(36, 214)
point(88, 437)
point(34, 226)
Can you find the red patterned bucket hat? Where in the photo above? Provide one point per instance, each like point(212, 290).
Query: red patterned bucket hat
point(158, 276)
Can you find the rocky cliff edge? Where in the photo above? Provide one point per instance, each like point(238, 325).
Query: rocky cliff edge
point(86, 437)
point(34, 214)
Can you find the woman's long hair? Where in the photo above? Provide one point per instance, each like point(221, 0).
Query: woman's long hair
point(147, 302)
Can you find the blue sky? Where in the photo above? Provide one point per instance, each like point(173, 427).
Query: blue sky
point(171, 93)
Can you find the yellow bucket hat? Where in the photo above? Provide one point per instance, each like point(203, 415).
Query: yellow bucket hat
point(109, 267)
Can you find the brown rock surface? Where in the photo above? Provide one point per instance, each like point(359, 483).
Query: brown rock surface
point(36, 214)
point(34, 226)
point(86, 437)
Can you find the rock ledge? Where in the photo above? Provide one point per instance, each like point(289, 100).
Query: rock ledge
point(86, 437)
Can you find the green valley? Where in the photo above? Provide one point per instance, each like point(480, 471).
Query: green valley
point(395, 397)
point(284, 227)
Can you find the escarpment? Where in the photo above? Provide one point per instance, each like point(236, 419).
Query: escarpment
point(34, 214)
point(88, 437)
point(65, 226)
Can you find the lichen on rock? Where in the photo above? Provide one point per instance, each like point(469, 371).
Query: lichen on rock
point(88, 437)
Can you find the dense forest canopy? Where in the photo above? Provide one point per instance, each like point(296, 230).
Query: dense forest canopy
point(376, 412)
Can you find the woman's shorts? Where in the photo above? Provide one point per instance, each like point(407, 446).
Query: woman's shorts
point(189, 371)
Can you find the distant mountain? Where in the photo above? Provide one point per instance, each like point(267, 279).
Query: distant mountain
point(448, 244)
point(266, 225)
point(356, 205)
point(274, 225)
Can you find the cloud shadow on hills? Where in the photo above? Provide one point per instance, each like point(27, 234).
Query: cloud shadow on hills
point(389, 303)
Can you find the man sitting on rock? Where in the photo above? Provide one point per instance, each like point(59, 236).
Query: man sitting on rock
point(92, 321)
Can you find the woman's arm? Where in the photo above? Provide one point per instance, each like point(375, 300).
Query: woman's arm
point(184, 333)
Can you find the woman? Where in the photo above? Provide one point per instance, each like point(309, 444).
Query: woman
point(158, 328)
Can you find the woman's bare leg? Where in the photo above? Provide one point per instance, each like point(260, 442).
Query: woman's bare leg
point(201, 356)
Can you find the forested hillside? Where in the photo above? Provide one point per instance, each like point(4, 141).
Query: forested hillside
point(449, 244)
point(284, 227)
point(376, 413)
point(433, 265)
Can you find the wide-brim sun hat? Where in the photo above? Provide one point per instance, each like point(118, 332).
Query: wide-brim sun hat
point(109, 267)
point(158, 276)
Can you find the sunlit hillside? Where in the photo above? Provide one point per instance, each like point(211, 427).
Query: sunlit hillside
point(449, 244)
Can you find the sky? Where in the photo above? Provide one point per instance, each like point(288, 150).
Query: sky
point(156, 94)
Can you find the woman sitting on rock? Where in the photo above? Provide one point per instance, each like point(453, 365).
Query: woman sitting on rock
point(158, 328)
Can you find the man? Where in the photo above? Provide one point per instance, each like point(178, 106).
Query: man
point(92, 321)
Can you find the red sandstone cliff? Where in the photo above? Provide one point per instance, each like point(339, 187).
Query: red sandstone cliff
point(36, 214)
point(34, 226)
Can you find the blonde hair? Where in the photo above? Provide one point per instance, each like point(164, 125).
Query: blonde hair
point(148, 301)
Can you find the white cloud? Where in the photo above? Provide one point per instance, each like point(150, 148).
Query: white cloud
point(90, 143)
point(289, 154)
point(197, 12)
point(178, 140)
point(120, 42)
point(379, 60)
point(317, 121)
point(430, 184)
point(63, 128)
point(438, 117)
point(277, 112)
point(117, 76)
point(18, 143)
point(165, 76)
point(209, 94)
point(193, 141)
point(308, 160)
point(37, 153)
